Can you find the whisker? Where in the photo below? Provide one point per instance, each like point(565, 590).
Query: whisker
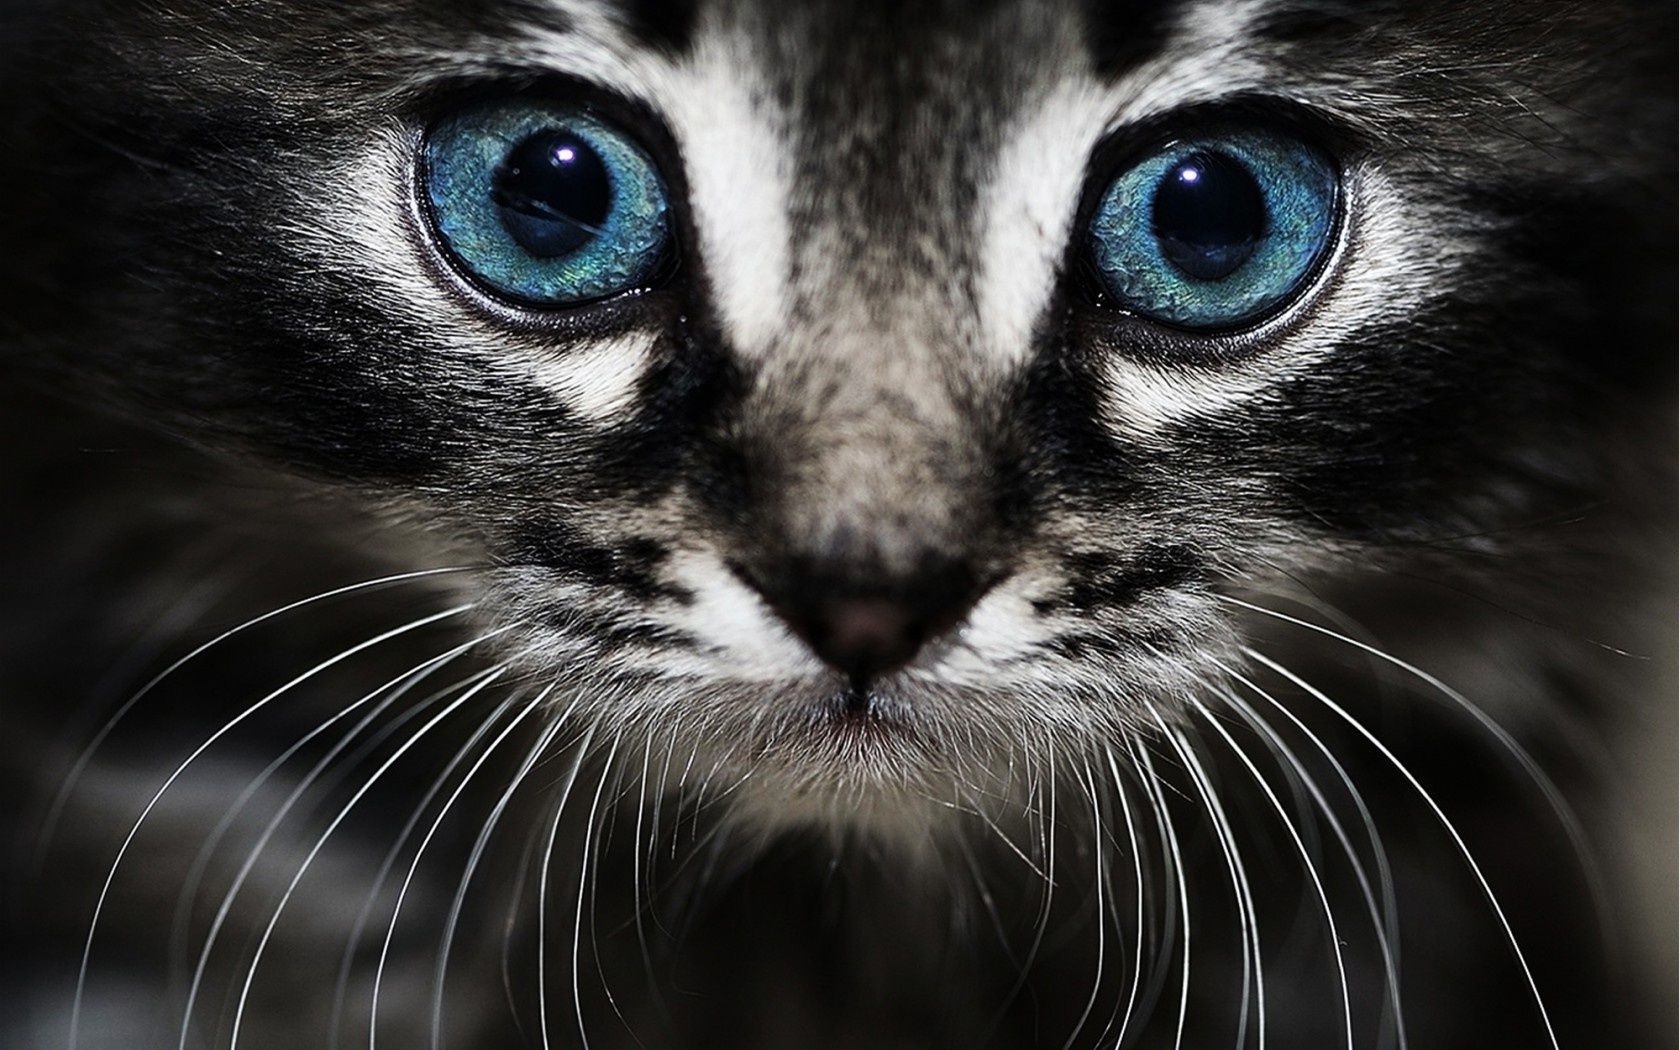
point(585, 878)
point(1045, 818)
point(987, 900)
point(1169, 832)
point(682, 794)
point(320, 843)
point(654, 837)
point(1098, 853)
point(128, 840)
point(1306, 859)
point(389, 861)
point(542, 884)
point(353, 942)
point(403, 683)
point(142, 652)
point(1137, 886)
point(1384, 919)
point(1530, 767)
point(1440, 816)
point(1009, 843)
point(180, 932)
point(1047, 849)
point(510, 922)
point(1253, 966)
point(642, 872)
point(431, 832)
point(458, 903)
point(67, 787)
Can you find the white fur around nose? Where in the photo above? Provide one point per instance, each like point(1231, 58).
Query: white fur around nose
point(728, 619)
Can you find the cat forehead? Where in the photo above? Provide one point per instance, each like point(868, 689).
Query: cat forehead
point(911, 42)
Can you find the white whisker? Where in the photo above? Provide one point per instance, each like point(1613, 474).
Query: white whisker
point(642, 872)
point(1137, 886)
point(128, 840)
point(407, 681)
point(320, 843)
point(1531, 768)
point(1253, 966)
point(353, 942)
point(193, 881)
point(1152, 785)
point(542, 884)
point(67, 787)
point(1445, 821)
point(476, 855)
point(1099, 854)
point(585, 879)
point(426, 840)
point(1384, 920)
point(1306, 859)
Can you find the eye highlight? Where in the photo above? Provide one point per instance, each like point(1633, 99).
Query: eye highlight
point(1215, 230)
point(547, 205)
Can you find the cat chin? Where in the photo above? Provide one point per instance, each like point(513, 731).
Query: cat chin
point(897, 765)
point(907, 825)
point(849, 781)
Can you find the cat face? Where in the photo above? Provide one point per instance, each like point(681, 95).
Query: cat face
point(870, 396)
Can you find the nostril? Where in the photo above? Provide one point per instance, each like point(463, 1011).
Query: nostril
point(866, 630)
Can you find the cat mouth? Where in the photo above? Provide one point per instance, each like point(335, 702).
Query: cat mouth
point(862, 715)
point(857, 703)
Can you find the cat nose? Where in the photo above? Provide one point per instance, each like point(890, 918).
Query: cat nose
point(862, 625)
point(864, 638)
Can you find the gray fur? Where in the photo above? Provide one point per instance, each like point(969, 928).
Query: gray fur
point(240, 372)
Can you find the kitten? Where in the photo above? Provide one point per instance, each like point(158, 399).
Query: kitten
point(545, 522)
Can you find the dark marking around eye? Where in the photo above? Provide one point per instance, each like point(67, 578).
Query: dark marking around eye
point(684, 404)
point(554, 193)
point(1315, 23)
point(664, 24)
point(1208, 214)
point(1066, 445)
point(1121, 35)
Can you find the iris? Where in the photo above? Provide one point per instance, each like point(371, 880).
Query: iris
point(546, 205)
point(1217, 230)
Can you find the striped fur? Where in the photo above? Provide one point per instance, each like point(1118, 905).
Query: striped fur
point(874, 346)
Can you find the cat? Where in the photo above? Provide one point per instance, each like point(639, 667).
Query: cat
point(759, 524)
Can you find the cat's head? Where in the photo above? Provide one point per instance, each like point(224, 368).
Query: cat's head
point(865, 392)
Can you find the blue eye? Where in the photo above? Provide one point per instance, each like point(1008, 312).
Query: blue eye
point(547, 205)
point(1215, 230)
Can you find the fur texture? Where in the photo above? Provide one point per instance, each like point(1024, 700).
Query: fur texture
point(240, 373)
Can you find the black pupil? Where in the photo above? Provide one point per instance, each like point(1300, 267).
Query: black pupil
point(1208, 215)
point(553, 192)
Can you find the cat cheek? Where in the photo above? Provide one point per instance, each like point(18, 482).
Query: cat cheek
point(729, 619)
point(598, 383)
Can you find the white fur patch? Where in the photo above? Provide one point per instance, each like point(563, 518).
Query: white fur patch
point(1029, 208)
point(1001, 629)
point(738, 190)
point(1034, 193)
point(596, 381)
point(728, 617)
